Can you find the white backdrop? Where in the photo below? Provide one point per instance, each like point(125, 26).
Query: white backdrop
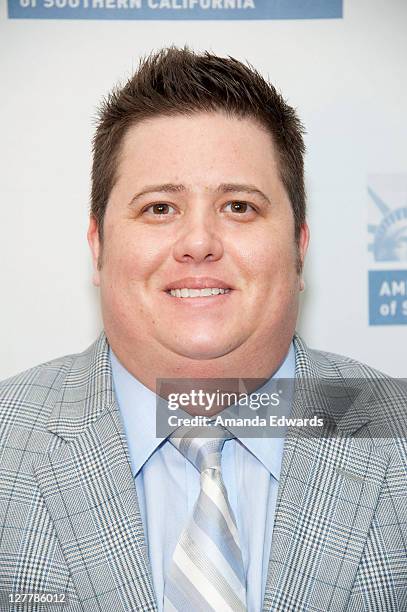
point(347, 79)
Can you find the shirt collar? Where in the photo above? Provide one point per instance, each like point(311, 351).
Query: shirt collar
point(137, 406)
point(268, 450)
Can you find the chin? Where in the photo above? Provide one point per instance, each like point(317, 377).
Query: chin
point(209, 348)
point(200, 355)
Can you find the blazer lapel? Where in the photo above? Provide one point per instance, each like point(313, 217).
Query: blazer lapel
point(328, 491)
point(89, 491)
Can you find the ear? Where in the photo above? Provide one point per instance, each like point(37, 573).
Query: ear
point(303, 242)
point(95, 247)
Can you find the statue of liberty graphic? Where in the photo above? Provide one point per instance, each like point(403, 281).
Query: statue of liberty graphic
point(390, 236)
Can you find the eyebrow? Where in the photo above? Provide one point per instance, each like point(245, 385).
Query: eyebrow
point(222, 188)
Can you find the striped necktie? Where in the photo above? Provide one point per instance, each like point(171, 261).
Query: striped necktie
point(206, 571)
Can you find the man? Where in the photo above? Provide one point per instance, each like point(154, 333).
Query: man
point(198, 237)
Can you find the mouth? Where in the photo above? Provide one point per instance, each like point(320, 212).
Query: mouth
point(190, 293)
point(198, 287)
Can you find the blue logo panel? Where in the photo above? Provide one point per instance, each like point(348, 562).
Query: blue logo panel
point(388, 297)
point(175, 9)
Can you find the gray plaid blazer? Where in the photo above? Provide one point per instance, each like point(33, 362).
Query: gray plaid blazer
point(70, 521)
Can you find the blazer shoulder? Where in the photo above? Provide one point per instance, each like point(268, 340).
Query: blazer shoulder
point(33, 392)
point(325, 364)
point(46, 373)
point(57, 390)
point(333, 364)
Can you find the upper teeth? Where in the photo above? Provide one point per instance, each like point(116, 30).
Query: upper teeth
point(191, 293)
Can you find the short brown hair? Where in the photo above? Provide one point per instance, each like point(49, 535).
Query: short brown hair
point(181, 82)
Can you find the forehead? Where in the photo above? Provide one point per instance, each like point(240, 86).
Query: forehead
point(200, 142)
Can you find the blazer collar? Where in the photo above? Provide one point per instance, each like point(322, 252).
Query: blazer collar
point(86, 392)
point(346, 403)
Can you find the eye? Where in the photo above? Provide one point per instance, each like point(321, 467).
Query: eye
point(159, 209)
point(239, 207)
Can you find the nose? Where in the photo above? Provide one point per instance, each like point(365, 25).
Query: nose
point(199, 239)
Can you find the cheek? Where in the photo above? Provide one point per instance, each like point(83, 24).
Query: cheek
point(135, 257)
point(268, 259)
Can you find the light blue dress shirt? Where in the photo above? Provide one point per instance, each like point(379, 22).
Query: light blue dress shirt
point(167, 484)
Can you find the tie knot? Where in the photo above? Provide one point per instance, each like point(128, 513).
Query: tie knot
point(203, 452)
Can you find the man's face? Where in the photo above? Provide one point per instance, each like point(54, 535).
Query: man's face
point(198, 204)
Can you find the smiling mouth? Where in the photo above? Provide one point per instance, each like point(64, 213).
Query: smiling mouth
point(196, 293)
